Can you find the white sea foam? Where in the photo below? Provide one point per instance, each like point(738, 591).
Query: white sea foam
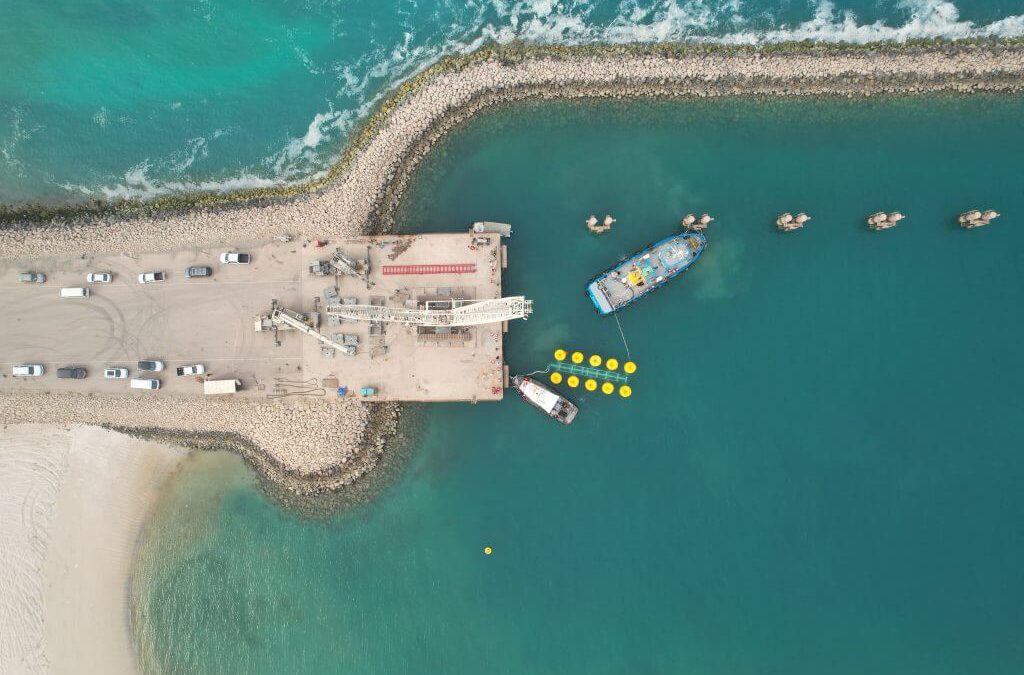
point(18, 131)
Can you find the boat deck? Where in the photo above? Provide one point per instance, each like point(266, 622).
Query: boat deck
point(647, 270)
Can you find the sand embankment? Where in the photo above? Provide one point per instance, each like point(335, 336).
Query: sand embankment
point(72, 506)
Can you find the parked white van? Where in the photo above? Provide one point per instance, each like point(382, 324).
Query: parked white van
point(74, 292)
point(145, 383)
point(29, 370)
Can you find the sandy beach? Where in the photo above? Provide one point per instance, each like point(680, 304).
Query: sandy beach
point(73, 505)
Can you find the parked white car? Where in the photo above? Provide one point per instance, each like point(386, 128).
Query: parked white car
point(99, 277)
point(30, 370)
point(235, 258)
point(151, 277)
point(115, 373)
point(196, 369)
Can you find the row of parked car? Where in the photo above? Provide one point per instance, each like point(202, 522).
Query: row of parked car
point(111, 373)
point(229, 258)
point(199, 270)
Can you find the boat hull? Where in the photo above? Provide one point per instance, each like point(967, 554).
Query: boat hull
point(645, 271)
point(552, 404)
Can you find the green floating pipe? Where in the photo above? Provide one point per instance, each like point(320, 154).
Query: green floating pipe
point(587, 371)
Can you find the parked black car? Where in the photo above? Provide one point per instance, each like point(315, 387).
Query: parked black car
point(198, 272)
point(72, 373)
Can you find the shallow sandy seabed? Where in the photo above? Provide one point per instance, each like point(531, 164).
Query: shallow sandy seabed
point(72, 508)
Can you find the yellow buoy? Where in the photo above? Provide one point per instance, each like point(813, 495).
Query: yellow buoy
point(488, 550)
point(595, 360)
point(629, 367)
point(607, 387)
point(559, 355)
point(590, 384)
point(611, 364)
point(577, 357)
point(625, 391)
point(556, 378)
point(573, 381)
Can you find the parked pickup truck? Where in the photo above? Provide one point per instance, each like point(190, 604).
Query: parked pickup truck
point(32, 278)
point(197, 369)
point(151, 277)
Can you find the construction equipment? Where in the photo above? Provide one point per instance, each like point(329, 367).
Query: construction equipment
point(451, 313)
point(349, 266)
point(280, 316)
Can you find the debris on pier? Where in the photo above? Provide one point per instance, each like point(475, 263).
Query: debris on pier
point(975, 218)
point(787, 223)
point(593, 226)
point(692, 222)
point(884, 221)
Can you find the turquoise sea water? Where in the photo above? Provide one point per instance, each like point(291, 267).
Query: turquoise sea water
point(819, 470)
point(115, 98)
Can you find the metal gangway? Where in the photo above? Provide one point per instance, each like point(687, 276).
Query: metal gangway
point(460, 313)
point(281, 316)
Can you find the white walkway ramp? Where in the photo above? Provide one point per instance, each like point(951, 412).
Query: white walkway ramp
point(464, 313)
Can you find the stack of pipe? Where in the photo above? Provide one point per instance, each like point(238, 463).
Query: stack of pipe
point(973, 219)
point(883, 221)
point(692, 222)
point(787, 223)
point(593, 226)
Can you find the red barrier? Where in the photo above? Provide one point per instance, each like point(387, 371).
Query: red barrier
point(391, 270)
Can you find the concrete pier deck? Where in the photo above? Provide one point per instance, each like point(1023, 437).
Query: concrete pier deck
point(212, 320)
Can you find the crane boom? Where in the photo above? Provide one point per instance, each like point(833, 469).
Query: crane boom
point(280, 315)
point(462, 312)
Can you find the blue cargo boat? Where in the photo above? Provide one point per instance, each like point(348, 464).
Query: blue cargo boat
point(651, 268)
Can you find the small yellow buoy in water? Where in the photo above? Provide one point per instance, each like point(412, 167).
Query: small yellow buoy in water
point(611, 364)
point(625, 391)
point(595, 360)
point(556, 378)
point(590, 384)
point(573, 381)
point(629, 367)
point(607, 387)
point(577, 357)
point(559, 355)
point(488, 550)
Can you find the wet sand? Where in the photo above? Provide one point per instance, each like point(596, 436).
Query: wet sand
point(72, 508)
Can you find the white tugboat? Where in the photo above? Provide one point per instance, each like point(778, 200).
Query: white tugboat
point(550, 403)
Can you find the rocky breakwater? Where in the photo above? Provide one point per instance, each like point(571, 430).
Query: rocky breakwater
point(306, 447)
